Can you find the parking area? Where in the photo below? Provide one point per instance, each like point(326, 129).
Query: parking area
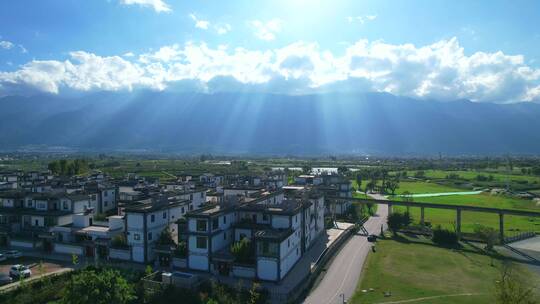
point(32, 263)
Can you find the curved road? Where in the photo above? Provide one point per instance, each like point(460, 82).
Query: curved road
point(344, 271)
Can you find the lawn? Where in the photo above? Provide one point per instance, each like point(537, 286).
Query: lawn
point(424, 187)
point(415, 268)
point(446, 218)
point(471, 175)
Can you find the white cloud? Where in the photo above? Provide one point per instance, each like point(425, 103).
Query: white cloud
point(6, 44)
point(202, 24)
point(23, 49)
point(361, 19)
point(266, 30)
point(437, 71)
point(223, 29)
point(158, 5)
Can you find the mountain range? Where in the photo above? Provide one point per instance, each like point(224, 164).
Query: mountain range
point(266, 124)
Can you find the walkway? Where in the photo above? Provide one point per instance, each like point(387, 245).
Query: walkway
point(344, 271)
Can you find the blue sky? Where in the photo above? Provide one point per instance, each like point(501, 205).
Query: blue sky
point(479, 50)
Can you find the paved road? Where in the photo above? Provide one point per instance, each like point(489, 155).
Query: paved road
point(344, 271)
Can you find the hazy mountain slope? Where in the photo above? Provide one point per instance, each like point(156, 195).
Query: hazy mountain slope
point(270, 124)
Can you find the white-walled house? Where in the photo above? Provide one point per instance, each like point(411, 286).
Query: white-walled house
point(145, 221)
point(280, 230)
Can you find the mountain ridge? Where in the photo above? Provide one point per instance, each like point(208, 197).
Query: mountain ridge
point(256, 123)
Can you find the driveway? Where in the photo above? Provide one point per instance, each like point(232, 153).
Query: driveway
point(47, 268)
point(344, 271)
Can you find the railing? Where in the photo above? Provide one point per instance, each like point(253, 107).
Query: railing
point(519, 237)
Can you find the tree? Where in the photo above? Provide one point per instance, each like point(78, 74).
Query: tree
point(243, 251)
point(98, 287)
point(398, 220)
point(165, 237)
point(370, 186)
point(342, 170)
point(488, 235)
point(512, 289)
point(392, 184)
point(306, 168)
point(359, 181)
point(420, 174)
point(444, 237)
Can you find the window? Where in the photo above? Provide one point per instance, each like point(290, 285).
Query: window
point(136, 237)
point(191, 196)
point(224, 219)
point(296, 250)
point(93, 197)
point(254, 218)
point(225, 235)
point(202, 194)
point(164, 215)
point(265, 217)
point(215, 223)
point(201, 225)
point(149, 236)
point(65, 205)
point(183, 211)
point(201, 242)
point(105, 193)
point(36, 223)
point(296, 218)
point(190, 207)
point(152, 218)
point(105, 203)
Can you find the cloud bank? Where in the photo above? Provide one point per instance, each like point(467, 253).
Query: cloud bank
point(437, 71)
point(158, 5)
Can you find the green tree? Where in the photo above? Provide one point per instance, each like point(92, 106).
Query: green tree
point(512, 289)
point(98, 287)
point(165, 237)
point(392, 184)
point(398, 220)
point(243, 251)
point(488, 235)
point(359, 181)
point(342, 170)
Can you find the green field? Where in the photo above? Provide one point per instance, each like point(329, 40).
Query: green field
point(416, 268)
point(446, 218)
point(424, 187)
point(471, 175)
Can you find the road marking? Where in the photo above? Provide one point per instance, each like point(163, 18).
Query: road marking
point(432, 297)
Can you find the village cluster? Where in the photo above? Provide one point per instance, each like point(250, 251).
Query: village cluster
point(191, 223)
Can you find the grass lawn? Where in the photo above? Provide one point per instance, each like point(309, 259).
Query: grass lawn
point(424, 187)
point(446, 218)
point(471, 175)
point(415, 268)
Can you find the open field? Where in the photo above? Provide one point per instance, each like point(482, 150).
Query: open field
point(415, 268)
point(446, 218)
point(472, 174)
point(424, 187)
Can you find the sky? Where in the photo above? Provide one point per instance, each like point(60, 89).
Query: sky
point(484, 51)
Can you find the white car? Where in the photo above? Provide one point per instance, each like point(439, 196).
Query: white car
point(12, 254)
point(2, 257)
point(18, 271)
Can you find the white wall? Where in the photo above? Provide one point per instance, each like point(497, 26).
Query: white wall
point(267, 269)
point(68, 249)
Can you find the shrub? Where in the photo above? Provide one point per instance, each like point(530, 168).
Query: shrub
point(243, 251)
point(119, 241)
point(398, 220)
point(444, 236)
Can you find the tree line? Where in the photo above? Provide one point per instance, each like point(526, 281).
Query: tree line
point(66, 167)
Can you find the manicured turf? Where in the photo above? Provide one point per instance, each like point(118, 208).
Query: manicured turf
point(471, 175)
point(424, 187)
point(446, 218)
point(415, 268)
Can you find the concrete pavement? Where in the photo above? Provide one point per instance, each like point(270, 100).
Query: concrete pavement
point(344, 271)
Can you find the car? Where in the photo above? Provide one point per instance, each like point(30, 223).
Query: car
point(2, 257)
point(372, 238)
point(5, 279)
point(18, 271)
point(12, 254)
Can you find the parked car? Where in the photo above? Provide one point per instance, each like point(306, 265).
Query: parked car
point(12, 254)
point(2, 257)
point(17, 271)
point(372, 238)
point(5, 279)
